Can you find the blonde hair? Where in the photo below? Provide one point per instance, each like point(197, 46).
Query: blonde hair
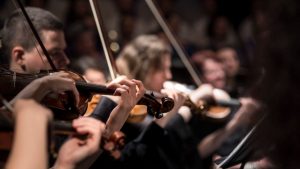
point(141, 56)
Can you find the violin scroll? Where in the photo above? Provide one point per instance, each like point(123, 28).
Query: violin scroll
point(114, 144)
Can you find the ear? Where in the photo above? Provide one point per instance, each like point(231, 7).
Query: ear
point(17, 55)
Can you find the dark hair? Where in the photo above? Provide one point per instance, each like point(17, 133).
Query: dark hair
point(16, 31)
point(279, 55)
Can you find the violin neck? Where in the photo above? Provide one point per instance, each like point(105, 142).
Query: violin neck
point(94, 89)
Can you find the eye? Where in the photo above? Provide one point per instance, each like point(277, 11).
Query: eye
point(56, 54)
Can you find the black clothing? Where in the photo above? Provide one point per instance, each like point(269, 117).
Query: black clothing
point(103, 109)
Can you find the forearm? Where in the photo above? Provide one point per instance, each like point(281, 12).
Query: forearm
point(36, 90)
point(116, 120)
point(213, 141)
point(108, 112)
point(29, 149)
point(104, 109)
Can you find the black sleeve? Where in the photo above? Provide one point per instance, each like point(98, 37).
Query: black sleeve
point(103, 109)
point(178, 126)
point(143, 151)
point(183, 142)
point(139, 153)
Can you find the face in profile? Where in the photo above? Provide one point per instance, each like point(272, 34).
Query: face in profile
point(156, 77)
point(213, 73)
point(95, 76)
point(230, 61)
point(54, 42)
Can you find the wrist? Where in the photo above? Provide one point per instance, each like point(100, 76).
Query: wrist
point(62, 165)
point(185, 113)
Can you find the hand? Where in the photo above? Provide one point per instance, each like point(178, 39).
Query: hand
point(59, 82)
point(131, 91)
point(179, 98)
point(203, 91)
point(75, 150)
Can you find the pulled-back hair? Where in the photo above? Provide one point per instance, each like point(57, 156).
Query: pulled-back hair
point(16, 31)
point(142, 55)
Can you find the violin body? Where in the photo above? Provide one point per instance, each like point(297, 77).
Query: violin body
point(12, 83)
point(137, 114)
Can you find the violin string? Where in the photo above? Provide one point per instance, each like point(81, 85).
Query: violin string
point(8, 107)
point(29, 31)
point(175, 43)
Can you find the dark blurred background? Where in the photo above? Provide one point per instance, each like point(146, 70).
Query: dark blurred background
point(198, 24)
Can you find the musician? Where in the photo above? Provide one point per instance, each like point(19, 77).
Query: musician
point(23, 57)
point(211, 69)
point(147, 58)
point(236, 75)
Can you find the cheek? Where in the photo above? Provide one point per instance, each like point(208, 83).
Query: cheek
point(154, 82)
point(209, 77)
point(34, 63)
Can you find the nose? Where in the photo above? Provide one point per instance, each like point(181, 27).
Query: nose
point(220, 74)
point(64, 61)
point(168, 74)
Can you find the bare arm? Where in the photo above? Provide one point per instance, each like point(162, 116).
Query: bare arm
point(131, 91)
point(29, 149)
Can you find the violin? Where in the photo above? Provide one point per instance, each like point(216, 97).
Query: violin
point(209, 108)
point(15, 82)
point(216, 107)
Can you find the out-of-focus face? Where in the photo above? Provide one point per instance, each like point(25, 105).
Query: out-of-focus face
point(221, 26)
point(230, 62)
point(156, 78)
point(214, 74)
point(95, 76)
